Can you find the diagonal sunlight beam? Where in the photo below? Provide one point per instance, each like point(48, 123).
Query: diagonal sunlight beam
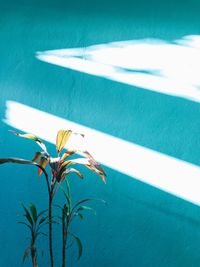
point(172, 175)
point(153, 64)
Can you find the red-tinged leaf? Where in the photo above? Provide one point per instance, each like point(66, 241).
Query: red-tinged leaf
point(37, 156)
point(89, 163)
point(26, 252)
point(62, 138)
point(99, 173)
point(71, 162)
point(82, 161)
point(88, 155)
point(97, 166)
point(54, 163)
point(82, 135)
point(43, 163)
point(71, 152)
point(71, 170)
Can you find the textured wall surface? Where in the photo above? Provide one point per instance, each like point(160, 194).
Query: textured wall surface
point(142, 226)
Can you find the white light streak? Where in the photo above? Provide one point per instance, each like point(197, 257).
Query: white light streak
point(172, 175)
point(160, 66)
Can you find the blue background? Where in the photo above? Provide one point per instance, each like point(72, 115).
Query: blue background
point(141, 226)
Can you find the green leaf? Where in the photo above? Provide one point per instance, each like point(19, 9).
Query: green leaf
point(42, 220)
point(16, 160)
point(87, 200)
point(28, 215)
point(65, 209)
point(66, 196)
point(58, 206)
point(79, 244)
point(23, 161)
point(86, 208)
point(83, 201)
point(26, 225)
point(68, 188)
point(42, 212)
point(80, 215)
point(33, 210)
point(41, 233)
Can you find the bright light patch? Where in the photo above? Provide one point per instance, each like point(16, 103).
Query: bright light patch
point(160, 66)
point(164, 172)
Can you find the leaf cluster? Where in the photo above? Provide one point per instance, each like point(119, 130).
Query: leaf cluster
point(34, 221)
point(71, 211)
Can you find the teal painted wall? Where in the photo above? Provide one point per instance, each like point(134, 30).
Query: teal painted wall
point(141, 226)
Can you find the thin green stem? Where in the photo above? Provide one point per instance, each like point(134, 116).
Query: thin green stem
point(33, 252)
point(64, 239)
point(50, 232)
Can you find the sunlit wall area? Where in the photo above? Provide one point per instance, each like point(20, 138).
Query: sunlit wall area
point(126, 74)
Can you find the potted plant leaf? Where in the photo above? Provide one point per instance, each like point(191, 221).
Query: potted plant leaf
point(59, 168)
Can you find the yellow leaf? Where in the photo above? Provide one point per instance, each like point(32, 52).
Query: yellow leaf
point(66, 163)
point(67, 154)
point(27, 135)
point(31, 137)
point(62, 138)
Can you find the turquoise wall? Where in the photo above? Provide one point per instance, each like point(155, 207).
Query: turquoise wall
point(141, 226)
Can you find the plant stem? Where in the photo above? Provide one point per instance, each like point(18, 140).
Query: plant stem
point(34, 255)
point(50, 231)
point(64, 239)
